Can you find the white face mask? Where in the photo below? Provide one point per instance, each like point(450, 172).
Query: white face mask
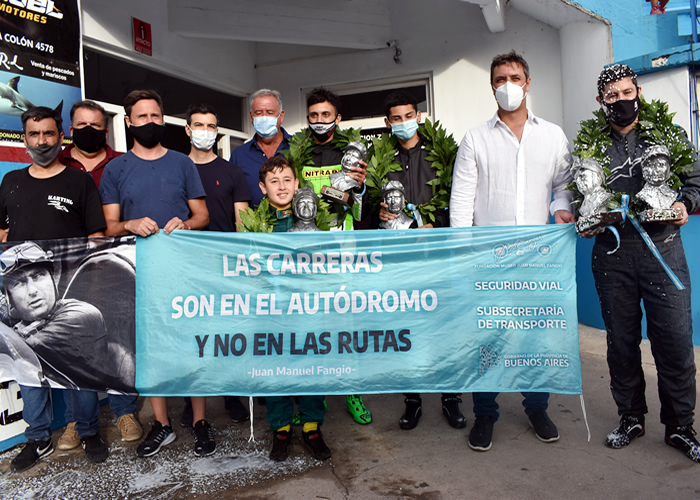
point(509, 96)
point(203, 139)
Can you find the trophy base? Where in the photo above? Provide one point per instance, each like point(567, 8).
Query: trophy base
point(337, 196)
point(598, 220)
point(660, 215)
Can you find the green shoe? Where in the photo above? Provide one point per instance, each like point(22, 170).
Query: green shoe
point(358, 410)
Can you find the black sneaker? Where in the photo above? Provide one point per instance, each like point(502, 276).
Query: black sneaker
point(412, 414)
point(481, 434)
point(683, 438)
point(281, 440)
point(95, 449)
point(630, 427)
point(160, 435)
point(236, 410)
point(545, 430)
point(30, 454)
point(204, 444)
point(314, 442)
point(450, 408)
point(187, 417)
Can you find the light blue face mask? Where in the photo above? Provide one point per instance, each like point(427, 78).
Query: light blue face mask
point(404, 130)
point(265, 126)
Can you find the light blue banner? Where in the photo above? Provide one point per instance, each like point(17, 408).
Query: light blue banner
point(440, 310)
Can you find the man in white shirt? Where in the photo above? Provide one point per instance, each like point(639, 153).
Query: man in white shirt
point(511, 170)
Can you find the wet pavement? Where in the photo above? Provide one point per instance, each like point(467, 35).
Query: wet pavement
point(380, 460)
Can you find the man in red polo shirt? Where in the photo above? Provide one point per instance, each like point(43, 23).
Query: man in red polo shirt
point(89, 151)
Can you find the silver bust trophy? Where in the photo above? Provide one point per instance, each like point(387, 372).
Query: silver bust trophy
point(656, 193)
point(394, 196)
point(593, 212)
point(341, 183)
point(305, 208)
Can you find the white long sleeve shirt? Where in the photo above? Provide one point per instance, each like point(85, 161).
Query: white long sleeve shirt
point(498, 180)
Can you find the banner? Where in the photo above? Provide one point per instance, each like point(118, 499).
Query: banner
point(444, 310)
point(67, 310)
point(39, 60)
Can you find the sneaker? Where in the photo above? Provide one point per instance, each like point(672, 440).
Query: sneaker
point(129, 427)
point(481, 434)
point(358, 410)
point(683, 438)
point(281, 440)
point(655, 11)
point(450, 408)
point(95, 449)
point(70, 438)
point(630, 427)
point(236, 410)
point(187, 417)
point(204, 444)
point(412, 413)
point(545, 430)
point(30, 454)
point(160, 435)
point(314, 442)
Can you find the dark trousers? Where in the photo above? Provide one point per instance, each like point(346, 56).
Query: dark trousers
point(625, 279)
point(280, 410)
point(414, 395)
point(485, 404)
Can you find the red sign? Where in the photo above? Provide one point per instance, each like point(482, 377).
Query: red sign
point(142, 37)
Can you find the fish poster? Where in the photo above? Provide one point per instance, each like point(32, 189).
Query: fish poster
point(40, 61)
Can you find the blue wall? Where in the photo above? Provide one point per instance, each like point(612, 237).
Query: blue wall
point(635, 33)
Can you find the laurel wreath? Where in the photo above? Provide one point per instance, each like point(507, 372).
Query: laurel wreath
point(442, 153)
point(258, 220)
point(300, 153)
point(655, 127)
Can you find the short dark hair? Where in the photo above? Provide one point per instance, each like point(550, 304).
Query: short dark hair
point(274, 163)
point(615, 73)
point(509, 58)
point(321, 94)
point(88, 104)
point(200, 107)
point(140, 95)
point(38, 113)
point(399, 98)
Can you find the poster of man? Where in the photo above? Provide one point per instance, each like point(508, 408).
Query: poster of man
point(63, 325)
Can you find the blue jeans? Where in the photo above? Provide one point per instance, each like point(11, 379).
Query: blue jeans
point(81, 406)
point(485, 404)
point(122, 405)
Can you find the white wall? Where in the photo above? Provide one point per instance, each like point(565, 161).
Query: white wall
point(445, 37)
point(672, 86)
point(586, 49)
point(222, 64)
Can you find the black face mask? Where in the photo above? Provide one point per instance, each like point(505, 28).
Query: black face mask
point(149, 134)
point(322, 131)
point(623, 112)
point(89, 139)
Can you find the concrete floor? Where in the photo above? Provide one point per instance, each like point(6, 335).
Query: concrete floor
point(382, 461)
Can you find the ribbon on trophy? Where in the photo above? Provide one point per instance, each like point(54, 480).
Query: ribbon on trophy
point(624, 210)
point(416, 213)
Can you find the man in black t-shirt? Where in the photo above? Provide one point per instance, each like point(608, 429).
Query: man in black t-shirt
point(224, 182)
point(227, 194)
point(44, 201)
